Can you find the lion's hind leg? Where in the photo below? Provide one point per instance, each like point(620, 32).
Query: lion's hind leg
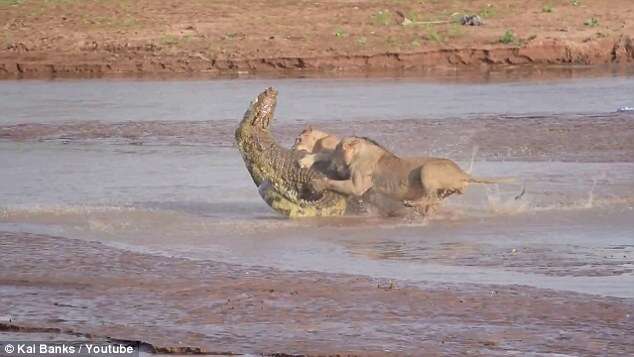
point(425, 205)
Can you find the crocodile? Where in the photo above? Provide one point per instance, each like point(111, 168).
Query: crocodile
point(282, 183)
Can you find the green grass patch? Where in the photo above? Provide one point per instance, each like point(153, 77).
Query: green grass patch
point(115, 15)
point(591, 22)
point(5, 39)
point(455, 30)
point(488, 11)
point(547, 8)
point(107, 22)
point(173, 40)
point(508, 38)
point(169, 40)
point(117, 22)
point(433, 35)
point(383, 18)
point(340, 33)
point(10, 2)
point(413, 16)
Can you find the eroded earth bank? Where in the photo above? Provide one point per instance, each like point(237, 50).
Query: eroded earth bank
point(123, 38)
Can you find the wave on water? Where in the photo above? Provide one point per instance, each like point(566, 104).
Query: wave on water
point(179, 219)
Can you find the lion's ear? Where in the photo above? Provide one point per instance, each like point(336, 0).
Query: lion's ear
point(307, 129)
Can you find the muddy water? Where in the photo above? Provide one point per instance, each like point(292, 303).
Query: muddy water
point(303, 99)
point(149, 166)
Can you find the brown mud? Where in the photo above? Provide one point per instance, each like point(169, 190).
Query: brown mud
point(75, 288)
point(122, 38)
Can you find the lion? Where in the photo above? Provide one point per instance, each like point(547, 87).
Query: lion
point(320, 147)
point(418, 182)
point(314, 140)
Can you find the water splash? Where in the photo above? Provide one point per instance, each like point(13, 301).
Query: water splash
point(498, 203)
point(595, 180)
point(474, 152)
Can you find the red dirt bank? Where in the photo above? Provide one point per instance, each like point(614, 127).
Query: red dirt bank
point(94, 38)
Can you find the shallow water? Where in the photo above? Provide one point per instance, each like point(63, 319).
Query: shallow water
point(150, 166)
point(305, 100)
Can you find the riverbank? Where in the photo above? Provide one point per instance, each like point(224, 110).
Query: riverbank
point(121, 38)
point(188, 305)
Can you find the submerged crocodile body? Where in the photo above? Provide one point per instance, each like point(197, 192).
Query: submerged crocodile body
point(282, 183)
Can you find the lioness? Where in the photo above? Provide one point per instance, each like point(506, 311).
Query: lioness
point(320, 148)
point(420, 182)
point(318, 144)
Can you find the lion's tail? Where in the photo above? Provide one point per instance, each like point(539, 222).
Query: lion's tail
point(491, 180)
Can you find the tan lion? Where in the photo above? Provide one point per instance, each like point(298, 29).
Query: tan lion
point(420, 182)
point(318, 144)
point(320, 152)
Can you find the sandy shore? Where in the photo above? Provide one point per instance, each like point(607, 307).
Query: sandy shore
point(122, 38)
point(64, 286)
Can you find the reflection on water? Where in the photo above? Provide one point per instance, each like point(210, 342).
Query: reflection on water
point(178, 187)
